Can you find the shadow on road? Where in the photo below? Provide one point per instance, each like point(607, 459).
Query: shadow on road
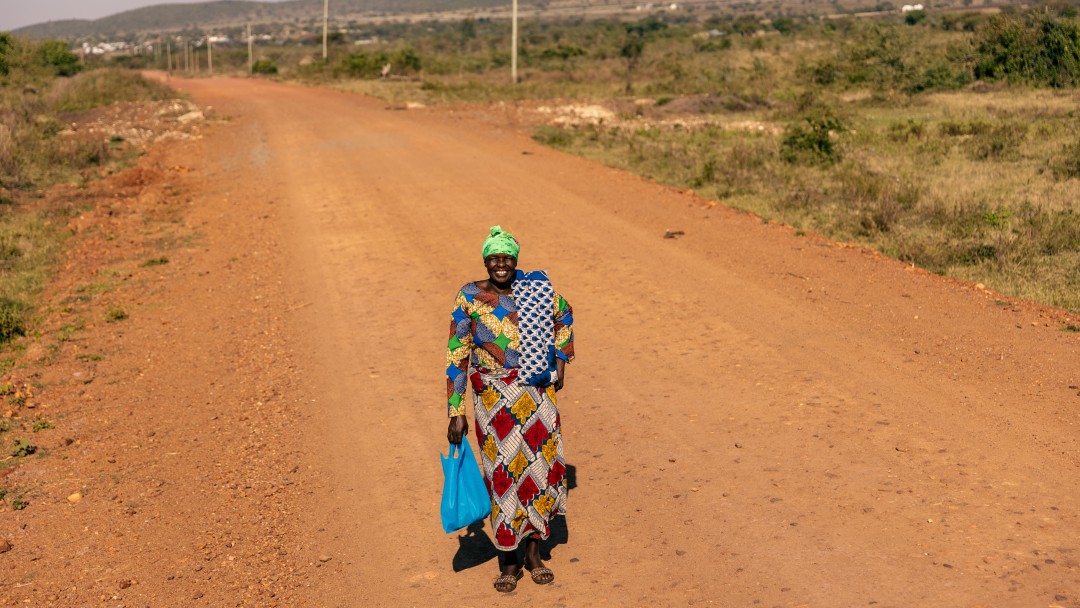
point(475, 546)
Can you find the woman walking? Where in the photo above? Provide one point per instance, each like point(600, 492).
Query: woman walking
point(516, 334)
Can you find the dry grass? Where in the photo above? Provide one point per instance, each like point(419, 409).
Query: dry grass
point(906, 186)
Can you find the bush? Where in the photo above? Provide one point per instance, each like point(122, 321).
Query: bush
point(13, 315)
point(54, 54)
point(812, 143)
point(264, 66)
point(914, 17)
point(1035, 48)
point(6, 44)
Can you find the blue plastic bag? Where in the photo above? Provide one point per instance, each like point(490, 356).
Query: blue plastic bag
point(464, 497)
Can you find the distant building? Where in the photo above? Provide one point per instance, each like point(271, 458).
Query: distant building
point(104, 48)
point(907, 8)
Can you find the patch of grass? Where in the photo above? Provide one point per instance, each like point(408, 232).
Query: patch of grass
point(89, 357)
point(115, 314)
point(102, 87)
point(41, 424)
point(21, 448)
point(1071, 328)
point(67, 332)
point(161, 261)
point(13, 319)
point(96, 288)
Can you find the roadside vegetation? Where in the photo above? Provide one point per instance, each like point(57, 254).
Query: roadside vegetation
point(43, 88)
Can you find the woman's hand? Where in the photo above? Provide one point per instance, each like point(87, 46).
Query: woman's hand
point(560, 368)
point(458, 428)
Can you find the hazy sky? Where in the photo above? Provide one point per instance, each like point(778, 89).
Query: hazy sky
point(17, 13)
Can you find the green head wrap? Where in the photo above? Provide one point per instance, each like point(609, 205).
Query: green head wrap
point(501, 241)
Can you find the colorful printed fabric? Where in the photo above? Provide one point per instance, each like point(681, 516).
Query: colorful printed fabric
point(534, 297)
point(484, 334)
point(521, 452)
point(517, 424)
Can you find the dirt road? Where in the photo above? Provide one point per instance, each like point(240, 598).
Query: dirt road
point(755, 418)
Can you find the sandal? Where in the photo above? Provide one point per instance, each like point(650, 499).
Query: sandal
point(542, 575)
point(508, 582)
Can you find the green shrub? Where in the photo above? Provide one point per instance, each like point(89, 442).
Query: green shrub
point(21, 447)
point(264, 66)
point(115, 314)
point(13, 314)
point(406, 61)
point(7, 43)
point(556, 137)
point(365, 65)
point(713, 45)
point(54, 54)
point(1035, 47)
point(812, 143)
point(914, 17)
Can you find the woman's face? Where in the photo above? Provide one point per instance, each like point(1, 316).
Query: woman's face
point(501, 267)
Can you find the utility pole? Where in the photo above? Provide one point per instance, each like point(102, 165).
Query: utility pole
point(251, 52)
point(168, 56)
point(325, 24)
point(210, 55)
point(513, 43)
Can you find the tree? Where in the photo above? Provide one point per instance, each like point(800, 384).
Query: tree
point(634, 45)
point(1036, 48)
point(54, 54)
point(6, 44)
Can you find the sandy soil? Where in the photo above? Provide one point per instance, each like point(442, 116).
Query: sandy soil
point(756, 418)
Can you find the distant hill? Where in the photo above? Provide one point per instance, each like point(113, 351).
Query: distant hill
point(169, 17)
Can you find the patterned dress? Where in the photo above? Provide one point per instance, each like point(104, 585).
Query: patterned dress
point(517, 425)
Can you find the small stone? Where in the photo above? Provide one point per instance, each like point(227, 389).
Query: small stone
point(324, 558)
point(74, 498)
point(124, 584)
point(5, 546)
point(190, 117)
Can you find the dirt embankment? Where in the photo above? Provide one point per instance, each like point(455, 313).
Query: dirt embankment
point(154, 392)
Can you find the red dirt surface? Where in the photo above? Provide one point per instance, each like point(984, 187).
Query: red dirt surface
point(756, 418)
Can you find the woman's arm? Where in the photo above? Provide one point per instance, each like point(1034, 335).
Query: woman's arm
point(458, 351)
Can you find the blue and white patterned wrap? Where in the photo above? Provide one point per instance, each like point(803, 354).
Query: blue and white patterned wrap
point(535, 299)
